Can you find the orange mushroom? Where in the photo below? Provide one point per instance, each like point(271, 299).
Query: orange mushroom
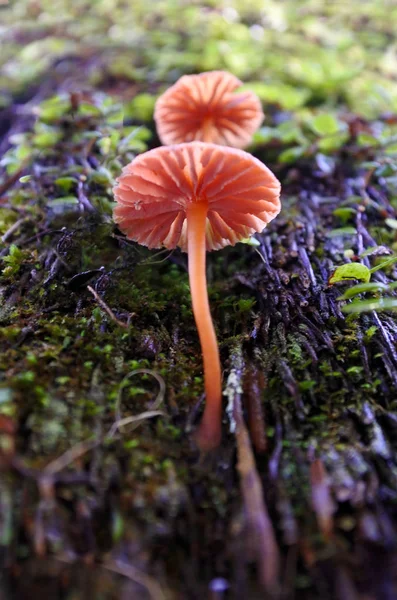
point(199, 197)
point(209, 108)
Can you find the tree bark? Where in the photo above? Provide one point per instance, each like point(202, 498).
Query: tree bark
point(299, 501)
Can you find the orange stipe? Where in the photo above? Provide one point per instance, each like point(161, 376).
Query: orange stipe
point(208, 107)
point(199, 197)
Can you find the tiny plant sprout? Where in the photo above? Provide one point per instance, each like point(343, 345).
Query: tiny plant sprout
point(210, 108)
point(199, 197)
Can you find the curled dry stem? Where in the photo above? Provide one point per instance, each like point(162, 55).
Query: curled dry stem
point(78, 450)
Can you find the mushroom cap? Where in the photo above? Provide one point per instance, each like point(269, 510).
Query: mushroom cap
point(208, 108)
point(156, 188)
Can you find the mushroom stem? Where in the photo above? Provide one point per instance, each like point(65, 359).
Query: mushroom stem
point(208, 130)
point(209, 432)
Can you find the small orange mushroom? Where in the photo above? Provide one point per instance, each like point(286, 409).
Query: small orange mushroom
point(208, 108)
point(199, 197)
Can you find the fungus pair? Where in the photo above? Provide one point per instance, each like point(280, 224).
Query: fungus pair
point(199, 196)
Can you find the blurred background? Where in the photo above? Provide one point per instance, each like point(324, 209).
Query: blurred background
point(303, 53)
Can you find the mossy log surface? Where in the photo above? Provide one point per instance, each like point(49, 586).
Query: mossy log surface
point(300, 499)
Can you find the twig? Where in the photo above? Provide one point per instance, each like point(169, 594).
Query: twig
point(69, 456)
point(12, 229)
point(137, 419)
point(322, 502)
point(106, 308)
point(137, 576)
point(253, 390)
point(84, 202)
point(260, 530)
point(83, 447)
point(150, 261)
point(128, 571)
point(4, 187)
point(43, 233)
point(262, 257)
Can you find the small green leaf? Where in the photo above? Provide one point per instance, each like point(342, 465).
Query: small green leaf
point(14, 254)
point(392, 223)
point(251, 241)
point(363, 288)
point(105, 145)
point(245, 304)
point(142, 107)
point(53, 109)
point(265, 135)
point(344, 213)
point(88, 110)
point(66, 183)
point(287, 96)
point(375, 251)
point(333, 142)
point(13, 260)
point(350, 271)
point(384, 264)
point(135, 140)
point(25, 178)
point(291, 154)
point(365, 139)
point(392, 149)
point(355, 370)
point(101, 176)
point(63, 200)
point(325, 124)
point(341, 231)
point(360, 306)
point(307, 385)
point(289, 133)
point(47, 139)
